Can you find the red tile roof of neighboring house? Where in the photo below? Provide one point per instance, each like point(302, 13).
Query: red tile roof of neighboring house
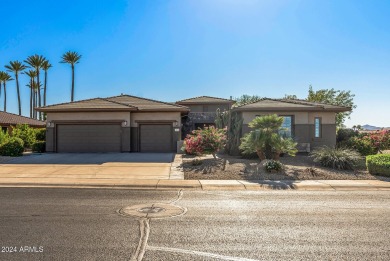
point(7, 119)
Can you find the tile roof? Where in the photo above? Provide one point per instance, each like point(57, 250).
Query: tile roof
point(204, 99)
point(268, 104)
point(116, 103)
point(7, 119)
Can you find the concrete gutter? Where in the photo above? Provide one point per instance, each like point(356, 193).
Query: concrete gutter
point(314, 185)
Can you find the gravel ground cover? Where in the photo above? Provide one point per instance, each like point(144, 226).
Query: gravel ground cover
point(300, 167)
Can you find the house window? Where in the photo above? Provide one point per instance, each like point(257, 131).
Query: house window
point(4, 129)
point(287, 127)
point(317, 127)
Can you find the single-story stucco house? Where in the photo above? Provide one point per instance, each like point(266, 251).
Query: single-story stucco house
point(133, 124)
point(7, 120)
point(116, 124)
point(311, 124)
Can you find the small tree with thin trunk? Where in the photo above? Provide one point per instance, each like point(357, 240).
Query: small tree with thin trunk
point(71, 58)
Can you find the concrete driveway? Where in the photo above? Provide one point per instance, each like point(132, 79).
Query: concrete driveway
point(97, 166)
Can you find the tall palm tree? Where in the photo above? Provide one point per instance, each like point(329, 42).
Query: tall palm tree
point(36, 61)
point(45, 66)
point(71, 58)
point(4, 78)
point(16, 67)
point(32, 74)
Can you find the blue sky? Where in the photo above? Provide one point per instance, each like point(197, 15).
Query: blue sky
point(171, 50)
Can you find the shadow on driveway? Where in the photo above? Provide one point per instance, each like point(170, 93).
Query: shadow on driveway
point(93, 158)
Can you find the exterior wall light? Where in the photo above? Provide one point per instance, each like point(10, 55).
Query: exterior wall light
point(124, 123)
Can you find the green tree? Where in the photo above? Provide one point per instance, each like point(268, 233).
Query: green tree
point(36, 61)
point(245, 99)
point(265, 139)
point(45, 66)
point(71, 58)
point(4, 78)
point(16, 67)
point(334, 97)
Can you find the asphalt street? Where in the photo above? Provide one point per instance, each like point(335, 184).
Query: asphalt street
point(86, 224)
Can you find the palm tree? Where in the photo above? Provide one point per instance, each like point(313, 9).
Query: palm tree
point(32, 74)
point(4, 78)
point(72, 58)
point(36, 61)
point(45, 66)
point(16, 67)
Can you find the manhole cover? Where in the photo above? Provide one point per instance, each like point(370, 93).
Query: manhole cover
point(151, 210)
point(156, 210)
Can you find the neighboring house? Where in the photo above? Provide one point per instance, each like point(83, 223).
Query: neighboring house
point(310, 124)
point(202, 112)
point(117, 124)
point(9, 119)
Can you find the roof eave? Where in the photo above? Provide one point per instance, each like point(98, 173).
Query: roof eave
point(85, 109)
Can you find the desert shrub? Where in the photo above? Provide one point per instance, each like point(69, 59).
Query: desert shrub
point(273, 165)
point(24, 132)
point(12, 147)
point(379, 164)
point(40, 134)
point(4, 136)
point(344, 135)
point(209, 140)
point(265, 139)
point(39, 146)
point(336, 158)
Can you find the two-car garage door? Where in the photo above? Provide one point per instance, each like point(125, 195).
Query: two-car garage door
point(89, 138)
point(107, 138)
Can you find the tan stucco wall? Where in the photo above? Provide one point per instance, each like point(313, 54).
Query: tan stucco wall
point(326, 117)
point(88, 116)
point(154, 116)
point(195, 108)
point(299, 117)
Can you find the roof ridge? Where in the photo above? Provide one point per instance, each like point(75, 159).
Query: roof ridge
point(63, 103)
point(196, 97)
point(177, 105)
point(128, 105)
point(321, 103)
point(20, 116)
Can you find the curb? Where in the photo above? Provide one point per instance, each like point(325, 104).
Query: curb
point(307, 185)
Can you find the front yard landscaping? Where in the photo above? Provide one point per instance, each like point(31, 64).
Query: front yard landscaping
point(300, 167)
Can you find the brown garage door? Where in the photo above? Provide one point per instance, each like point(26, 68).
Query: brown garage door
point(156, 138)
point(89, 138)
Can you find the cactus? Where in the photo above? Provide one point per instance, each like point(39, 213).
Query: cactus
point(233, 121)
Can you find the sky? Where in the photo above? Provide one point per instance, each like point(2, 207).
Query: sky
point(175, 49)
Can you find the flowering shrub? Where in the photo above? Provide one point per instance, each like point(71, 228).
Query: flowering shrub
point(205, 141)
point(370, 143)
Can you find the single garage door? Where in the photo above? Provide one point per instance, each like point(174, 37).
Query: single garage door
point(89, 138)
point(156, 138)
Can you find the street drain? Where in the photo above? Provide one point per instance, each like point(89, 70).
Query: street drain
point(156, 210)
point(151, 210)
